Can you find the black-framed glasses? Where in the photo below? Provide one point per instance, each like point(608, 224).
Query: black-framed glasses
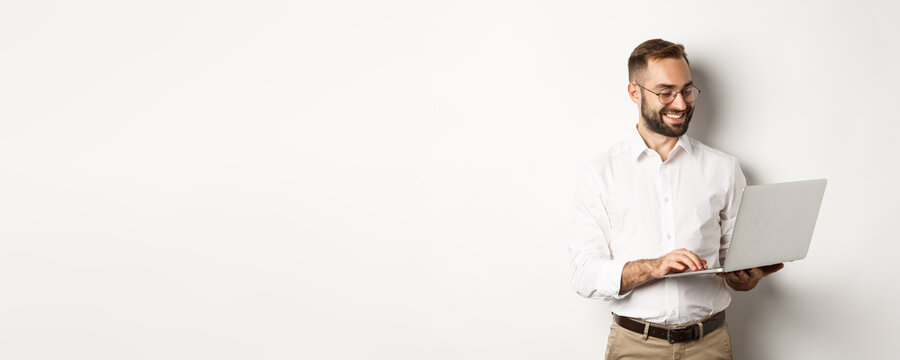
point(667, 96)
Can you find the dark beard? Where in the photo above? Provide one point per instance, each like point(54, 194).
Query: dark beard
point(656, 124)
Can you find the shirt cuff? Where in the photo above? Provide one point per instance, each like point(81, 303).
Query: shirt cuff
point(613, 280)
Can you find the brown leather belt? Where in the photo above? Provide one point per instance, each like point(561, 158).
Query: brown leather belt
point(687, 333)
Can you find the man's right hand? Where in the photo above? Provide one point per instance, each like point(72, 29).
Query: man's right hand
point(636, 273)
point(677, 261)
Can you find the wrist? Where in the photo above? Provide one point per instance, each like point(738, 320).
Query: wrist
point(652, 268)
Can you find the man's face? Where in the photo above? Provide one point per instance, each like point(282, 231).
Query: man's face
point(671, 119)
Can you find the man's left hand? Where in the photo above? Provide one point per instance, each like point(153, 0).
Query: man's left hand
point(743, 280)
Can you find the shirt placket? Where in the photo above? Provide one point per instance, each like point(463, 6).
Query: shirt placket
point(667, 220)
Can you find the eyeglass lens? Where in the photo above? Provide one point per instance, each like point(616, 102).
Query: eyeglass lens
point(668, 95)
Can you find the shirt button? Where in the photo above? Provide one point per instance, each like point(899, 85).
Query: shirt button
point(666, 199)
point(668, 236)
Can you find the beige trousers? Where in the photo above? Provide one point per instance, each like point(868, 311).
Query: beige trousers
point(626, 344)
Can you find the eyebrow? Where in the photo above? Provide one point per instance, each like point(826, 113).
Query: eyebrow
point(661, 86)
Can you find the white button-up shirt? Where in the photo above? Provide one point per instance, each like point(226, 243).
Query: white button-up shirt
point(630, 205)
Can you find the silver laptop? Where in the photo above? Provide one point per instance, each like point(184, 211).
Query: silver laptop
point(775, 224)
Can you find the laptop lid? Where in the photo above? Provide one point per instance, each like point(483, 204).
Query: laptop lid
point(775, 223)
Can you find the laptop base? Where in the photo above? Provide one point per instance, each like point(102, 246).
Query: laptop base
point(698, 272)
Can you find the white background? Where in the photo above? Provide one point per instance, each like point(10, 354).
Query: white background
point(393, 180)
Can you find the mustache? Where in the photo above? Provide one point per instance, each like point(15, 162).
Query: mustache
point(685, 111)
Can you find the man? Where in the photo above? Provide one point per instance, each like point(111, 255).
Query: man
point(659, 203)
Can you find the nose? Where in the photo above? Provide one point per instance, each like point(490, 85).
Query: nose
point(679, 103)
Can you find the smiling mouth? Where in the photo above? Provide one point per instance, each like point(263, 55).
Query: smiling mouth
point(677, 116)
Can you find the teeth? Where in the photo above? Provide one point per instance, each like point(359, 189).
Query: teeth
point(675, 116)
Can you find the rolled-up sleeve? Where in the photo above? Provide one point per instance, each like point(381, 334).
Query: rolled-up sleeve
point(728, 215)
point(595, 274)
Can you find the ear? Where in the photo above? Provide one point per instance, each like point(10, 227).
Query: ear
point(634, 92)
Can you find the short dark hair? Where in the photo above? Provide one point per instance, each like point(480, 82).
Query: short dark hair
point(651, 50)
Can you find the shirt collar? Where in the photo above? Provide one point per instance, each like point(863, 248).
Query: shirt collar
point(638, 146)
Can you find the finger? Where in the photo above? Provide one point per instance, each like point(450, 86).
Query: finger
point(756, 273)
point(672, 261)
point(727, 276)
point(769, 269)
point(694, 259)
point(685, 261)
point(694, 262)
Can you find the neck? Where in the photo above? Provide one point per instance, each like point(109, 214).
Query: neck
point(662, 144)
